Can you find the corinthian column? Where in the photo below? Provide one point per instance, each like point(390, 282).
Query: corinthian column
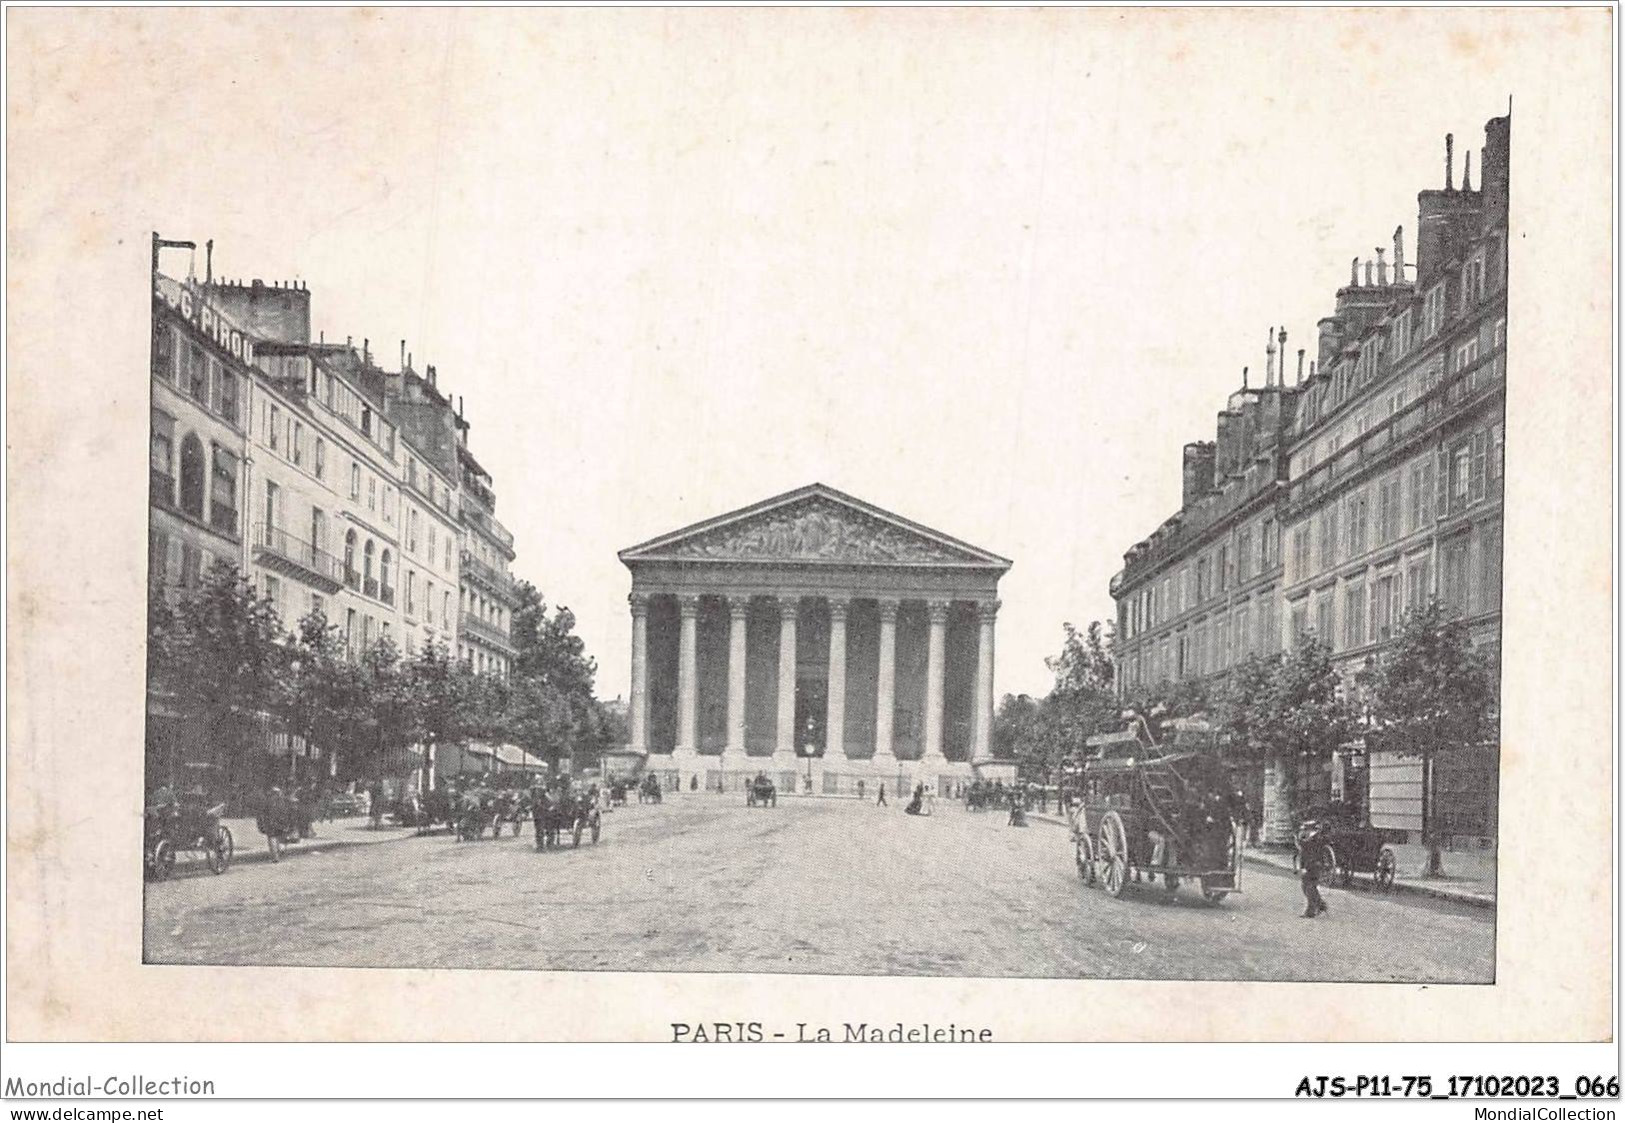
point(784, 745)
point(687, 674)
point(885, 761)
point(835, 726)
point(936, 658)
point(738, 612)
point(982, 745)
point(639, 702)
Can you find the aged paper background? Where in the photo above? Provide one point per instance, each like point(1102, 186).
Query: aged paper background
point(90, 103)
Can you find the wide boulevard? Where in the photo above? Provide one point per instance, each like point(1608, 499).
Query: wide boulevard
point(703, 883)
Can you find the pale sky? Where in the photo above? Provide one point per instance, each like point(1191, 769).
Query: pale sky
point(988, 270)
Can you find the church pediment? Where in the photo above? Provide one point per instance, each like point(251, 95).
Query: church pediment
point(813, 525)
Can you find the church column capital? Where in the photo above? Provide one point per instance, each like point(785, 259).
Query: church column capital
point(888, 609)
point(938, 610)
point(789, 607)
point(738, 606)
point(639, 601)
point(988, 610)
point(688, 604)
point(839, 607)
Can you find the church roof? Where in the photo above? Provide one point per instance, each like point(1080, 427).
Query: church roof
point(814, 525)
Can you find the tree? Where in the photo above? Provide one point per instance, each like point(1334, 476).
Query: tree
point(440, 689)
point(1301, 717)
point(1430, 692)
point(325, 695)
point(217, 653)
point(391, 704)
point(547, 647)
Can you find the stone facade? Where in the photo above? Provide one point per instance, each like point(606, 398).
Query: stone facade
point(814, 637)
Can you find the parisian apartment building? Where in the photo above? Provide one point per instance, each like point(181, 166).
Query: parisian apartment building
point(1334, 499)
point(336, 486)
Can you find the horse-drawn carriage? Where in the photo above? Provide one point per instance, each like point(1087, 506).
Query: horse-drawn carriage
point(617, 792)
point(1143, 811)
point(761, 792)
point(558, 812)
point(190, 826)
point(649, 789)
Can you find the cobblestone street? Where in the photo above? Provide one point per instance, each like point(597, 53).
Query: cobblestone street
point(703, 883)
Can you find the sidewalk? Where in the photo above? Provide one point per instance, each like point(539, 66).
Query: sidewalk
point(248, 844)
point(1469, 874)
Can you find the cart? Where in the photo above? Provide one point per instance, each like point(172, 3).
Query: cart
point(198, 830)
point(1355, 847)
point(761, 792)
point(1152, 814)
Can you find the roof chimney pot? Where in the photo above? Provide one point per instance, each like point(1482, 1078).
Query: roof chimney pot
point(1300, 366)
point(1382, 266)
point(1467, 171)
point(1399, 255)
point(1449, 161)
point(1354, 272)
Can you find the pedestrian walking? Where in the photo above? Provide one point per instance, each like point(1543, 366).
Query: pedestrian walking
point(1312, 855)
point(881, 802)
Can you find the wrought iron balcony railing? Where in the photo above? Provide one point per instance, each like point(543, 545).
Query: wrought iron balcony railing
point(274, 544)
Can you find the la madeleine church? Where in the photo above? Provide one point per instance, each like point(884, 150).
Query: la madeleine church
point(824, 641)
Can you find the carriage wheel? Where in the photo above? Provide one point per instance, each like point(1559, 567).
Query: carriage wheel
point(596, 827)
point(1386, 867)
point(220, 853)
point(1213, 896)
point(163, 860)
point(1085, 856)
point(1111, 854)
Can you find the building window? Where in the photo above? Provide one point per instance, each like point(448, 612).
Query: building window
point(1244, 555)
point(1476, 487)
point(1433, 311)
point(223, 492)
point(351, 578)
point(163, 352)
point(349, 631)
point(1472, 280)
point(1421, 507)
point(1497, 453)
point(296, 444)
point(192, 476)
point(318, 528)
point(273, 504)
point(273, 425)
point(1300, 621)
point(1358, 511)
point(445, 610)
point(1401, 334)
point(273, 593)
point(228, 394)
point(1354, 617)
point(1328, 536)
point(321, 458)
point(161, 459)
point(367, 555)
point(433, 543)
point(372, 493)
point(384, 577)
point(197, 373)
point(1300, 551)
point(1417, 581)
point(1384, 606)
point(1461, 471)
point(411, 593)
point(355, 481)
point(1453, 574)
point(451, 567)
point(1222, 568)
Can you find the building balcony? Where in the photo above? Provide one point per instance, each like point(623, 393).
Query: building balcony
point(352, 578)
point(477, 628)
point(386, 593)
point(370, 587)
point(277, 549)
point(486, 575)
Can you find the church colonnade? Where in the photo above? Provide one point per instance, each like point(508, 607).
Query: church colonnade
point(750, 678)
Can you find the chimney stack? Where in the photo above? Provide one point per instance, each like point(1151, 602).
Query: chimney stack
point(403, 354)
point(1354, 273)
point(1280, 373)
point(1399, 255)
point(208, 262)
point(1300, 366)
point(1449, 161)
point(1244, 378)
point(1382, 267)
point(1467, 171)
point(1368, 272)
point(1269, 354)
